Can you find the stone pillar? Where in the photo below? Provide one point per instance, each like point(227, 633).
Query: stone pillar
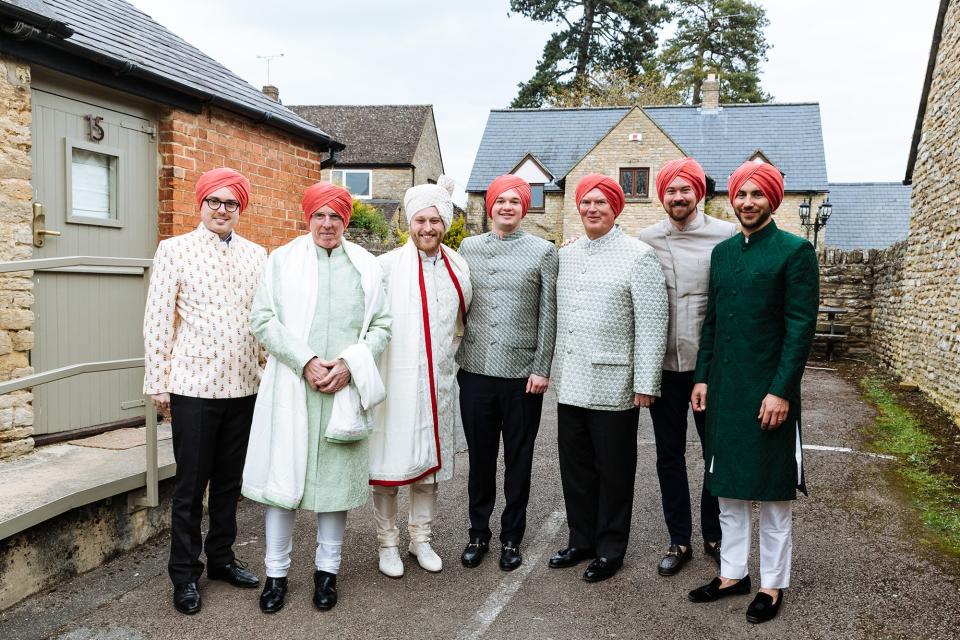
point(16, 289)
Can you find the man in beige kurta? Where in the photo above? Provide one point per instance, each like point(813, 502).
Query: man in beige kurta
point(428, 288)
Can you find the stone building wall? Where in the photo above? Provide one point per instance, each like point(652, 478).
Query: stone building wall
point(847, 279)
point(427, 161)
point(926, 335)
point(16, 243)
point(887, 320)
point(279, 167)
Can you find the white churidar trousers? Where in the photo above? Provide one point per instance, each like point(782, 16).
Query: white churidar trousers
point(279, 540)
point(423, 507)
point(776, 541)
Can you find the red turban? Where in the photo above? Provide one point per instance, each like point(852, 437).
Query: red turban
point(503, 184)
point(611, 190)
point(219, 178)
point(324, 194)
point(766, 176)
point(688, 170)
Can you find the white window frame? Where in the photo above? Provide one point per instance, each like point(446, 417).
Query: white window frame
point(116, 198)
point(343, 180)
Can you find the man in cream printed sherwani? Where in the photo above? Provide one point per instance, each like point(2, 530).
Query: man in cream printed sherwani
point(428, 293)
point(200, 365)
point(321, 313)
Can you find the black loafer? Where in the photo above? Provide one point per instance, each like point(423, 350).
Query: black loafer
point(763, 608)
point(712, 591)
point(570, 556)
point(235, 573)
point(712, 550)
point(674, 560)
point(472, 556)
point(274, 591)
point(324, 590)
point(510, 557)
point(601, 569)
point(186, 598)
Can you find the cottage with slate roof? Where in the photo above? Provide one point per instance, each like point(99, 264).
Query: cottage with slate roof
point(390, 148)
point(107, 120)
point(553, 148)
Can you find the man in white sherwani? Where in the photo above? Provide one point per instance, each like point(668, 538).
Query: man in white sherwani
point(428, 293)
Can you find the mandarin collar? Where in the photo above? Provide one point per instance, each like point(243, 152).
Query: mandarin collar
point(516, 235)
point(761, 235)
point(211, 237)
point(604, 239)
point(697, 223)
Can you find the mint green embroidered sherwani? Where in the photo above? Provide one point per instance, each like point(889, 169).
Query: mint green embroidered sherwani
point(337, 473)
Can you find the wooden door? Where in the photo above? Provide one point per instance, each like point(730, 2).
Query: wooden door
point(95, 174)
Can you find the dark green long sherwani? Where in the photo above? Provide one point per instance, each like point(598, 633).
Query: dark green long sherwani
point(761, 317)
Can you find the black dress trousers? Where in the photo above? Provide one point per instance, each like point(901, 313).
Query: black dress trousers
point(669, 415)
point(598, 466)
point(210, 446)
point(491, 407)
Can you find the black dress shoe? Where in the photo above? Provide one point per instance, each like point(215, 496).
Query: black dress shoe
point(763, 608)
point(570, 556)
point(472, 556)
point(674, 560)
point(235, 573)
point(324, 590)
point(712, 550)
point(510, 557)
point(186, 598)
point(274, 591)
point(601, 569)
point(712, 591)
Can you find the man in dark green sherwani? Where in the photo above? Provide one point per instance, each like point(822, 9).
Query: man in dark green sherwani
point(761, 317)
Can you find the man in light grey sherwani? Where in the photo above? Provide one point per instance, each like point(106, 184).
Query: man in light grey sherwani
point(505, 360)
point(611, 336)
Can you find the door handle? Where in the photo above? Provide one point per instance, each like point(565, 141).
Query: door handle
point(39, 220)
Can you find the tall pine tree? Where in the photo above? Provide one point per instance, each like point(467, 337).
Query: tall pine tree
point(602, 35)
point(717, 36)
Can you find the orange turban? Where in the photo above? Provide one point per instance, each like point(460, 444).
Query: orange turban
point(324, 194)
point(504, 183)
point(688, 170)
point(766, 176)
point(611, 190)
point(219, 178)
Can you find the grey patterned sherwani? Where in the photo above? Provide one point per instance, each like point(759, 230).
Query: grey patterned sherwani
point(512, 324)
point(612, 318)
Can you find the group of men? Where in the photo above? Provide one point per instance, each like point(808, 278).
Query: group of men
point(363, 374)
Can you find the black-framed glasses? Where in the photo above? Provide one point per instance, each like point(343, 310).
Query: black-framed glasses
point(230, 206)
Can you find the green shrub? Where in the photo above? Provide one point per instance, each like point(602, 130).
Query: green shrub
point(367, 217)
point(456, 233)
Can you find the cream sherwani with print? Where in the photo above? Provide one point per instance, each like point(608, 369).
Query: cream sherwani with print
point(196, 326)
point(403, 446)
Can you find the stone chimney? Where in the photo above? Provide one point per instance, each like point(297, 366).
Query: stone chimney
point(271, 92)
point(709, 91)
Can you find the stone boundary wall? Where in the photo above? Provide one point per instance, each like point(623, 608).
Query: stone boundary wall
point(16, 243)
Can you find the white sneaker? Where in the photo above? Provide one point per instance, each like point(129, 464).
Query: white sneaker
point(426, 556)
point(390, 563)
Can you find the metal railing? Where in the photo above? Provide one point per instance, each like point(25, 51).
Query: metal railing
point(151, 477)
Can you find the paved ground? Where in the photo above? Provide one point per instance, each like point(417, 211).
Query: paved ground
point(861, 569)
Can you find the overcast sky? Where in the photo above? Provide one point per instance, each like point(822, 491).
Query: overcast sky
point(862, 60)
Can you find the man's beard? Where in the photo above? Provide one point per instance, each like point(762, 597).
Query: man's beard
point(761, 220)
point(676, 217)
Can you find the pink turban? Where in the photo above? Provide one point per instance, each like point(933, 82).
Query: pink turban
point(688, 170)
point(219, 178)
point(504, 183)
point(766, 176)
point(611, 190)
point(324, 194)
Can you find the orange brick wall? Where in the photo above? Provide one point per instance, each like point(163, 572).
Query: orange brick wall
point(278, 166)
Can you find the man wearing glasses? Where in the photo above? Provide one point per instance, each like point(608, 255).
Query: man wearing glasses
point(201, 368)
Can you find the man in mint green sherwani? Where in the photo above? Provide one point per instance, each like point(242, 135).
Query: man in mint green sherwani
point(321, 313)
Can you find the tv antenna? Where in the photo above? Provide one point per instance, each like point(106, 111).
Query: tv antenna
point(268, 59)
